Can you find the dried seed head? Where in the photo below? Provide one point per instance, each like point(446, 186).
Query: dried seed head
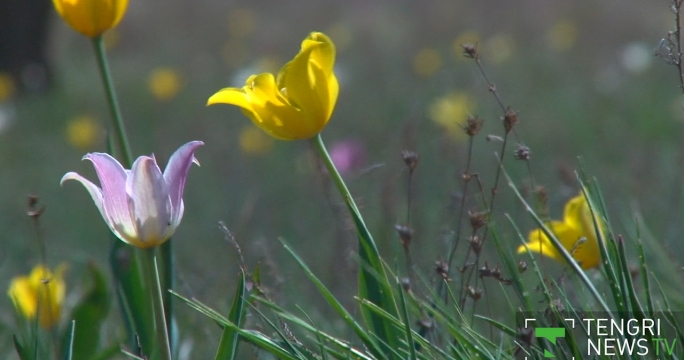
point(442, 269)
point(410, 158)
point(34, 211)
point(405, 284)
point(473, 125)
point(469, 51)
point(509, 120)
point(526, 335)
point(474, 293)
point(485, 271)
point(522, 266)
point(405, 235)
point(475, 244)
point(477, 219)
point(542, 195)
point(522, 152)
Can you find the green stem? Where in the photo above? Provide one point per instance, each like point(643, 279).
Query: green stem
point(148, 261)
point(117, 121)
point(337, 178)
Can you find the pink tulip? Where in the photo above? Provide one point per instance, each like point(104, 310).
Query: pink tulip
point(141, 206)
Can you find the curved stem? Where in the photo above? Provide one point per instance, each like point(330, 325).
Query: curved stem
point(117, 121)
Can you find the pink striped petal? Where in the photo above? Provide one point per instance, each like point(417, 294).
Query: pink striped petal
point(94, 191)
point(175, 174)
point(113, 181)
point(149, 202)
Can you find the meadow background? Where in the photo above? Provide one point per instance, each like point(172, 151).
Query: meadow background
point(581, 74)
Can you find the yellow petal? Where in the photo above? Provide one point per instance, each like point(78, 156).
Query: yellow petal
point(575, 212)
point(41, 293)
point(585, 253)
point(231, 96)
point(91, 17)
point(23, 296)
point(272, 111)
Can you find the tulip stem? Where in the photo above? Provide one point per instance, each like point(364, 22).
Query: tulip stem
point(149, 267)
point(117, 121)
point(336, 177)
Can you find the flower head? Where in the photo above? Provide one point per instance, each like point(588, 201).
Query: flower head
point(91, 17)
point(298, 102)
point(39, 294)
point(576, 233)
point(142, 206)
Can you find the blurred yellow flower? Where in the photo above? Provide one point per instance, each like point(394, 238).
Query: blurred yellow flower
point(39, 294)
point(468, 37)
point(499, 48)
point(241, 22)
point(296, 104)
point(563, 35)
point(164, 83)
point(83, 132)
point(254, 142)
point(576, 233)
point(427, 62)
point(6, 86)
point(91, 17)
point(451, 112)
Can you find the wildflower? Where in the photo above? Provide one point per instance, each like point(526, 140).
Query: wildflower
point(576, 234)
point(563, 35)
point(40, 294)
point(427, 62)
point(7, 87)
point(347, 155)
point(141, 206)
point(254, 142)
point(296, 104)
point(451, 111)
point(164, 83)
point(82, 132)
point(91, 17)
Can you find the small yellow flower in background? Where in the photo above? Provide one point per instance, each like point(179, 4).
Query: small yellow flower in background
point(575, 232)
point(254, 142)
point(499, 48)
point(6, 86)
point(563, 35)
point(241, 22)
point(91, 17)
point(296, 104)
point(164, 83)
point(39, 294)
point(468, 37)
point(83, 132)
point(451, 112)
point(427, 62)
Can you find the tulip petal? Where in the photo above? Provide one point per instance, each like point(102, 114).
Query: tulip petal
point(302, 89)
point(273, 112)
point(175, 174)
point(149, 202)
point(113, 181)
point(93, 190)
point(569, 237)
point(231, 96)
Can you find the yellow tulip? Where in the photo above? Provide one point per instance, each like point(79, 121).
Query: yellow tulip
point(39, 294)
point(91, 17)
point(296, 104)
point(576, 233)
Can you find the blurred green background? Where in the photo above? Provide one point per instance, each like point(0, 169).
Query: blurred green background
point(581, 74)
